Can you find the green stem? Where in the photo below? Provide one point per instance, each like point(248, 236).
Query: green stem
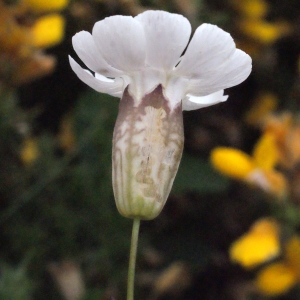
point(132, 259)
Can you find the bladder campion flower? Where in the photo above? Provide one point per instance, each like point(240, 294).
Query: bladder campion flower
point(140, 60)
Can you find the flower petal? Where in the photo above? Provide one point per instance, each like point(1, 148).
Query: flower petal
point(121, 41)
point(237, 69)
point(208, 49)
point(233, 163)
point(48, 31)
point(113, 87)
point(275, 279)
point(175, 90)
point(85, 47)
point(166, 37)
point(144, 82)
point(232, 72)
point(260, 244)
point(193, 102)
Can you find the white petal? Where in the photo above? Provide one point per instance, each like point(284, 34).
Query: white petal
point(232, 72)
point(114, 88)
point(121, 41)
point(144, 82)
point(85, 47)
point(236, 71)
point(193, 102)
point(175, 90)
point(103, 78)
point(166, 35)
point(208, 49)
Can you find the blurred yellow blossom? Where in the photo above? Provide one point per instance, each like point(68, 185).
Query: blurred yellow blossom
point(255, 31)
point(292, 254)
point(286, 131)
point(259, 244)
point(29, 151)
point(22, 37)
point(251, 8)
point(258, 169)
point(262, 244)
point(44, 5)
point(232, 162)
point(48, 31)
point(270, 181)
point(277, 278)
point(279, 126)
point(263, 31)
point(265, 154)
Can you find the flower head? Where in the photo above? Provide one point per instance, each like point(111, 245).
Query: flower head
point(261, 243)
point(258, 169)
point(275, 279)
point(24, 32)
point(279, 277)
point(140, 60)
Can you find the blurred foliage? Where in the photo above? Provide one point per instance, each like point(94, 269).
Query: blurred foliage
point(197, 174)
point(15, 283)
point(61, 235)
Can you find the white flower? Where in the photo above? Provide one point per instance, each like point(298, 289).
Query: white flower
point(145, 51)
point(139, 59)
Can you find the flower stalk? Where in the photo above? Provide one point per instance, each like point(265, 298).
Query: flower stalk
point(132, 258)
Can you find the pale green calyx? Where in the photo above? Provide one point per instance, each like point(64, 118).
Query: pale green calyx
point(147, 148)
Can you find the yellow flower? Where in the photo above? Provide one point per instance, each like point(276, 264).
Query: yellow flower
point(48, 31)
point(45, 5)
point(251, 8)
point(262, 31)
point(259, 244)
point(265, 154)
point(286, 131)
point(275, 279)
point(270, 181)
point(232, 162)
point(257, 169)
point(29, 151)
point(293, 255)
point(22, 35)
point(278, 278)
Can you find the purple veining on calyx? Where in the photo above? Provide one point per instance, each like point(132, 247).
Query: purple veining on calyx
point(147, 148)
